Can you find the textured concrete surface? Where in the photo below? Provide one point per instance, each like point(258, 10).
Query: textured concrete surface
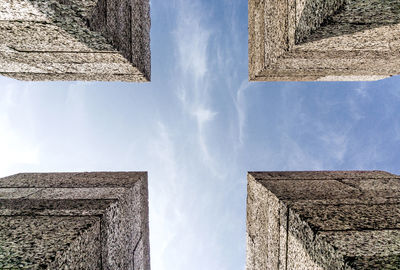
point(75, 40)
point(47, 242)
point(323, 220)
point(324, 40)
point(74, 221)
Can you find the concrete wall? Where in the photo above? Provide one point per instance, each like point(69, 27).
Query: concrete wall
point(324, 40)
point(75, 220)
point(75, 40)
point(310, 14)
point(323, 220)
point(45, 242)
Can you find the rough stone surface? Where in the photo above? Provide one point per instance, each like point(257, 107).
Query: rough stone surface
point(74, 221)
point(323, 220)
point(75, 39)
point(46, 242)
point(324, 40)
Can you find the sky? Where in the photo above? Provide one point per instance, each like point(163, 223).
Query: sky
point(198, 128)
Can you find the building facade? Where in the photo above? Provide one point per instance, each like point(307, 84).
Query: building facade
point(74, 221)
point(323, 220)
point(325, 40)
point(102, 40)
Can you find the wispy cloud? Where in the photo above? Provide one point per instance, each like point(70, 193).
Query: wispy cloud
point(294, 156)
point(192, 37)
point(361, 89)
point(240, 105)
point(176, 220)
point(311, 133)
point(164, 213)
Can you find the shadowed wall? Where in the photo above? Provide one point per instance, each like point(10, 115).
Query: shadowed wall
point(323, 220)
point(75, 40)
point(323, 40)
point(74, 221)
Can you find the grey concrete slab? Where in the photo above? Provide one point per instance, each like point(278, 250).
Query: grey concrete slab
point(323, 220)
point(119, 31)
point(307, 40)
point(370, 249)
point(118, 201)
point(50, 242)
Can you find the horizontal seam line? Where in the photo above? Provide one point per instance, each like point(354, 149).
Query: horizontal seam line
point(360, 230)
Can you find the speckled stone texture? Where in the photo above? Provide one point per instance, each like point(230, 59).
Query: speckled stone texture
point(323, 220)
point(325, 40)
point(102, 40)
point(74, 221)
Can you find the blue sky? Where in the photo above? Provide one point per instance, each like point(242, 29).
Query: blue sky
point(197, 128)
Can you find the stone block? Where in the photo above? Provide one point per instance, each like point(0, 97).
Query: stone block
point(307, 40)
point(369, 249)
point(74, 221)
point(323, 220)
point(118, 31)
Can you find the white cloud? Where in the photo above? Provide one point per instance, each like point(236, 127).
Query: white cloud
point(174, 233)
point(240, 105)
point(192, 40)
point(361, 90)
point(203, 115)
point(164, 224)
point(192, 37)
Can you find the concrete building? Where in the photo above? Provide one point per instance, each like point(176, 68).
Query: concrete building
point(74, 221)
point(102, 40)
point(323, 220)
point(327, 40)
